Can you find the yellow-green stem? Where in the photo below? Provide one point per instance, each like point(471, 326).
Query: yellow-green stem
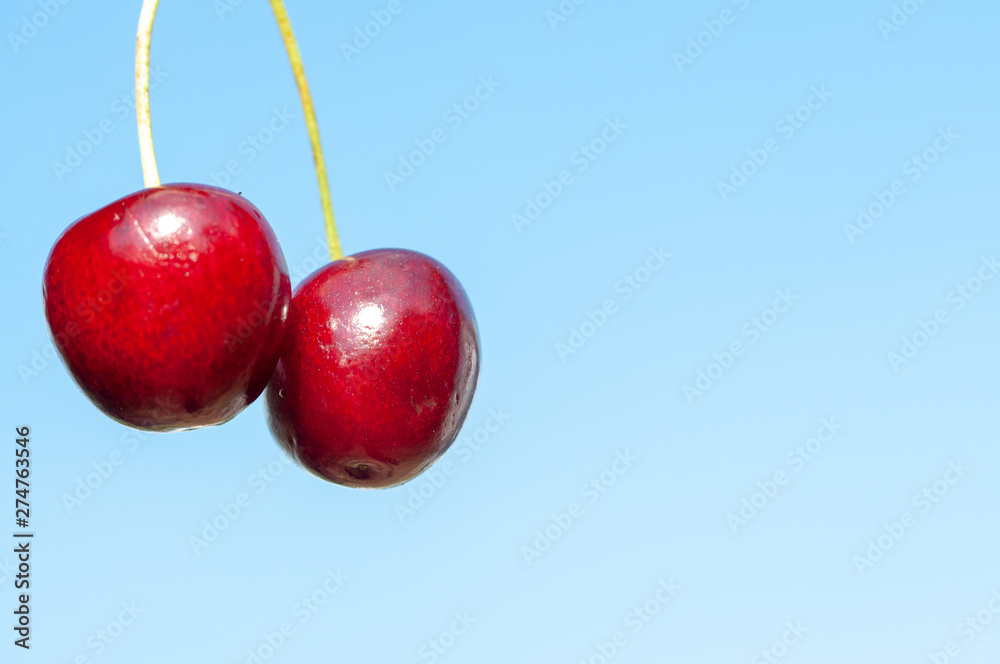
point(307, 108)
point(150, 176)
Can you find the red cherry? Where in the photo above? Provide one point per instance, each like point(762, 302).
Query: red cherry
point(169, 305)
point(377, 370)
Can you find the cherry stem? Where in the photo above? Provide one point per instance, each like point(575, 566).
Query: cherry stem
point(150, 175)
point(295, 58)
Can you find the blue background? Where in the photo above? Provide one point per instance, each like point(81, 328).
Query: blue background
point(667, 516)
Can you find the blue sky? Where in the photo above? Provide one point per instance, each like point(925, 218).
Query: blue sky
point(733, 265)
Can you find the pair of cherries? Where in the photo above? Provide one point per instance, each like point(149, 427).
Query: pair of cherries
point(173, 310)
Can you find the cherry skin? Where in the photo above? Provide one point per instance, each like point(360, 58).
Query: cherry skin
point(169, 305)
point(378, 368)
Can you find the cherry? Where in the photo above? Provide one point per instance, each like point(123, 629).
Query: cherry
point(169, 305)
point(377, 370)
